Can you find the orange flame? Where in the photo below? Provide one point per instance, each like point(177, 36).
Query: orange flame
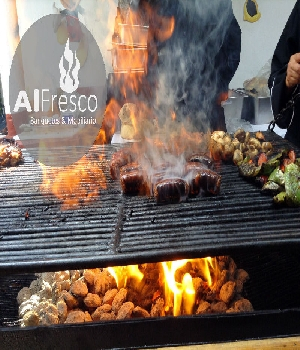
point(132, 41)
point(122, 273)
point(181, 295)
point(109, 123)
point(175, 281)
point(75, 184)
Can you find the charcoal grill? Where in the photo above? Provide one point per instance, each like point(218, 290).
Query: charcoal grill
point(119, 230)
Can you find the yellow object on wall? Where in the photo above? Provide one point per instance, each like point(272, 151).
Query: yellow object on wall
point(251, 13)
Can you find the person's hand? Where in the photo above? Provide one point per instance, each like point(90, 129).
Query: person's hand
point(293, 71)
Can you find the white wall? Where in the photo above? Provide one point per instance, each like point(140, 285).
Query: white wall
point(259, 39)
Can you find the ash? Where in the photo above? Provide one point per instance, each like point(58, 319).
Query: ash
point(78, 296)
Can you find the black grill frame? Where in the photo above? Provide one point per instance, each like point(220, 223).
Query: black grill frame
point(117, 229)
point(240, 222)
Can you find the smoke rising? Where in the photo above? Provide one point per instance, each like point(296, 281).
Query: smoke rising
point(194, 65)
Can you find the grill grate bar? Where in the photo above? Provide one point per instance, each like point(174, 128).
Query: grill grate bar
point(118, 229)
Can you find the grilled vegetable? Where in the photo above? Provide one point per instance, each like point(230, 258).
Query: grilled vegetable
point(277, 176)
point(292, 185)
point(271, 187)
point(249, 169)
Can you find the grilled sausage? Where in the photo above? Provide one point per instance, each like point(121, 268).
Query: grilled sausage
point(171, 191)
point(133, 180)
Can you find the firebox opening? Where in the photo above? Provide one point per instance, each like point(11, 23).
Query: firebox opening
point(272, 285)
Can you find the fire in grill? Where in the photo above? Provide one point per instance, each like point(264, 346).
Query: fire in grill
point(182, 287)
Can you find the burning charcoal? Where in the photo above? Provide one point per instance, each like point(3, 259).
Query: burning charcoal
point(133, 180)
point(125, 311)
point(209, 295)
point(242, 305)
point(157, 309)
point(219, 307)
point(29, 305)
point(89, 276)
point(69, 299)
point(79, 288)
point(48, 313)
point(103, 282)
point(171, 191)
point(62, 310)
point(227, 291)
point(74, 275)
point(223, 262)
point(23, 295)
point(109, 296)
point(222, 279)
point(78, 316)
point(139, 312)
point(31, 319)
point(241, 277)
point(198, 284)
point(104, 309)
point(107, 316)
point(92, 300)
point(203, 308)
point(205, 160)
point(60, 286)
point(35, 286)
point(119, 300)
point(61, 276)
point(232, 269)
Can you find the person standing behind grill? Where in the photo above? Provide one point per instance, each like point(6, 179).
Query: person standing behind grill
point(284, 78)
point(196, 64)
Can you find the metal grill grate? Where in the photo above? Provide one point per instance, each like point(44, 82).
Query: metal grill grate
point(115, 229)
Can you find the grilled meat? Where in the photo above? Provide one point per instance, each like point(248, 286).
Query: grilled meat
point(119, 159)
point(133, 179)
point(173, 190)
point(199, 158)
point(204, 181)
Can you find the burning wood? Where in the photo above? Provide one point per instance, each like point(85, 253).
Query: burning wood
point(183, 287)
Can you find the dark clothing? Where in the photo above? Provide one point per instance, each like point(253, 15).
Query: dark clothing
point(288, 45)
point(196, 64)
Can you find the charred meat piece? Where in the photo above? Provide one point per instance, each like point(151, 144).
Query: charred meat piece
point(199, 158)
point(119, 159)
point(173, 190)
point(194, 166)
point(203, 181)
point(133, 179)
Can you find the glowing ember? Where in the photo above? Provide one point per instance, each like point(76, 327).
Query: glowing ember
point(179, 292)
point(135, 291)
point(180, 295)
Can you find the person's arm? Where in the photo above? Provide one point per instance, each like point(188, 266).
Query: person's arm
point(228, 58)
point(283, 80)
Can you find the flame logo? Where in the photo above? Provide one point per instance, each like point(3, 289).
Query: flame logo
point(69, 78)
